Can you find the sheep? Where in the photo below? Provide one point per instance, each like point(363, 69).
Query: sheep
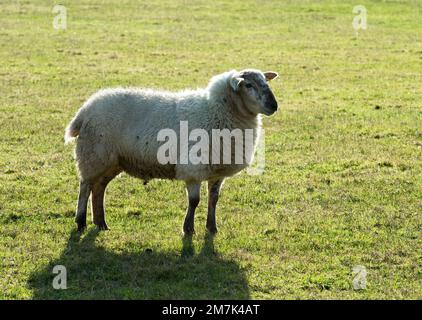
point(117, 131)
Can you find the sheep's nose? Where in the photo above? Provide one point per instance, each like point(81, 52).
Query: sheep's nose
point(271, 102)
point(272, 106)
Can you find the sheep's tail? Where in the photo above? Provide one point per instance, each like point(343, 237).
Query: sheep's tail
point(72, 130)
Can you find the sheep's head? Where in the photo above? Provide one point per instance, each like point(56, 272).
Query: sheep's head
point(252, 86)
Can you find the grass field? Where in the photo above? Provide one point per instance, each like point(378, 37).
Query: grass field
point(343, 179)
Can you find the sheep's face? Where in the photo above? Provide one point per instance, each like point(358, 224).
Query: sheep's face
point(252, 86)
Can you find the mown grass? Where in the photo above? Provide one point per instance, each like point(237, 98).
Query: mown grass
point(343, 179)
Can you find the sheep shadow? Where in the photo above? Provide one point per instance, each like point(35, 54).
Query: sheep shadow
point(96, 273)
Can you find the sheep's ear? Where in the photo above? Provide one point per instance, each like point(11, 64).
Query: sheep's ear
point(270, 75)
point(235, 82)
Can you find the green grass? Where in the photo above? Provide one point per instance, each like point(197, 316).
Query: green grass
point(343, 178)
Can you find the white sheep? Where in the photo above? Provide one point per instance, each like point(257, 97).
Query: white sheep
point(118, 131)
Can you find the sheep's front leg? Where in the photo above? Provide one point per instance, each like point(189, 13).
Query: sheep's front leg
point(213, 193)
point(193, 191)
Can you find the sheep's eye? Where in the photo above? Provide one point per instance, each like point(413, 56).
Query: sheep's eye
point(248, 85)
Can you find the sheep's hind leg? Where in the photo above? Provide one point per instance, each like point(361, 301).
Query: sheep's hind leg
point(84, 192)
point(193, 190)
point(98, 191)
point(213, 194)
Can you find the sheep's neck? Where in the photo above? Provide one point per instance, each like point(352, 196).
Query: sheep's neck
point(239, 110)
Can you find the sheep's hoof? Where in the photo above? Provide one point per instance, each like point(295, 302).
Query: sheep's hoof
point(102, 226)
point(212, 230)
point(81, 227)
point(188, 232)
